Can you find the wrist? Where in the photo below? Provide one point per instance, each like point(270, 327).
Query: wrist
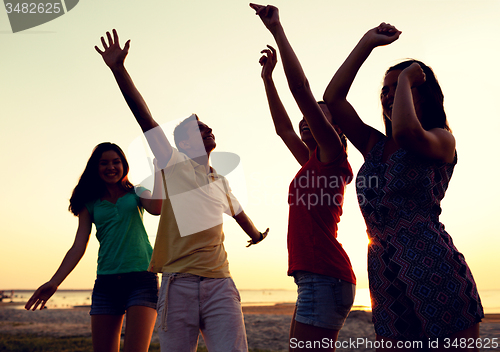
point(54, 282)
point(403, 79)
point(276, 29)
point(366, 43)
point(117, 67)
point(257, 237)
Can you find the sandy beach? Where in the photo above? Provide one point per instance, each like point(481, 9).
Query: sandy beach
point(267, 326)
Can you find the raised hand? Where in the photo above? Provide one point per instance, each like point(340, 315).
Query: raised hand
point(41, 296)
point(415, 74)
point(383, 34)
point(268, 14)
point(113, 55)
point(268, 62)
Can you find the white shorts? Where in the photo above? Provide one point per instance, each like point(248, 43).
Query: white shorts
point(196, 304)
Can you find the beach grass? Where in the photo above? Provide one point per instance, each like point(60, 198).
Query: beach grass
point(34, 343)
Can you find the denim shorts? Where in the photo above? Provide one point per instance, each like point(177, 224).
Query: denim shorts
point(114, 294)
point(323, 301)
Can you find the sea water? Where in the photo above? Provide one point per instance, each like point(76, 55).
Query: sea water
point(71, 298)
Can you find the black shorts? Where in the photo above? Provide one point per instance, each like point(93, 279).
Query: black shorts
point(114, 294)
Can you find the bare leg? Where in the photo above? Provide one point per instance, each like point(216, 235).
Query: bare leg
point(319, 339)
point(139, 328)
point(292, 329)
point(106, 332)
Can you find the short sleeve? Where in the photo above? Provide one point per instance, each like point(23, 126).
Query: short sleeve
point(233, 205)
point(139, 190)
point(176, 158)
point(90, 208)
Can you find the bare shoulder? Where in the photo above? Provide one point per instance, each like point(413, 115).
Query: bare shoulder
point(443, 144)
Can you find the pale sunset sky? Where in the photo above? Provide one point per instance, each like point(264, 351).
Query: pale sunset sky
point(59, 100)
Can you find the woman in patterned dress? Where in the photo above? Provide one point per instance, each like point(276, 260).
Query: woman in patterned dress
point(420, 284)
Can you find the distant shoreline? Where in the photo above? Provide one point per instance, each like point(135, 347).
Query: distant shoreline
point(264, 309)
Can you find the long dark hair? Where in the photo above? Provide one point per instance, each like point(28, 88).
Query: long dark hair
point(91, 187)
point(432, 103)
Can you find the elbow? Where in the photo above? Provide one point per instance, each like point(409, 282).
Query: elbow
point(155, 212)
point(153, 206)
point(330, 98)
point(157, 209)
point(281, 132)
point(77, 250)
point(334, 93)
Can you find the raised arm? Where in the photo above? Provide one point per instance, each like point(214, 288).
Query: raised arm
point(282, 123)
point(73, 256)
point(114, 57)
point(407, 130)
point(362, 136)
point(323, 132)
point(153, 202)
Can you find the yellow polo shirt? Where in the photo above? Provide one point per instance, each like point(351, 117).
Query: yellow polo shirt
point(190, 237)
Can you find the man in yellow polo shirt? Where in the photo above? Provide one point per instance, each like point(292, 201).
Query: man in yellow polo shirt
point(197, 292)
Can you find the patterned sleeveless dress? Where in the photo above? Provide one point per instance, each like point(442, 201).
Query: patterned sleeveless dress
point(420, 284)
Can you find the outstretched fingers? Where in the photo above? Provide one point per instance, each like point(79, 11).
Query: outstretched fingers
point(111, 51)
point(127, 46)
point(261, 10)
point(104, 44)
point(34, 302)
point(110, 40)
point(115, 37)
point(256, 7)
point(271, 52)
point(268, 61)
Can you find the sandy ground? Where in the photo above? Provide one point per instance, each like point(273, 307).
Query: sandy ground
point(267, 326)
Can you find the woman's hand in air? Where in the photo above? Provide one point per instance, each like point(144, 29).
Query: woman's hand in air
point(415, 75)
point(268, 14)
point(268, 62)
point(383, 34)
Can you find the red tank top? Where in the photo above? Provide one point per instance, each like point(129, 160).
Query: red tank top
point(315, 198)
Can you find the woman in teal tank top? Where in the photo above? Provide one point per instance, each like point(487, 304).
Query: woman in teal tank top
point(104, 196)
